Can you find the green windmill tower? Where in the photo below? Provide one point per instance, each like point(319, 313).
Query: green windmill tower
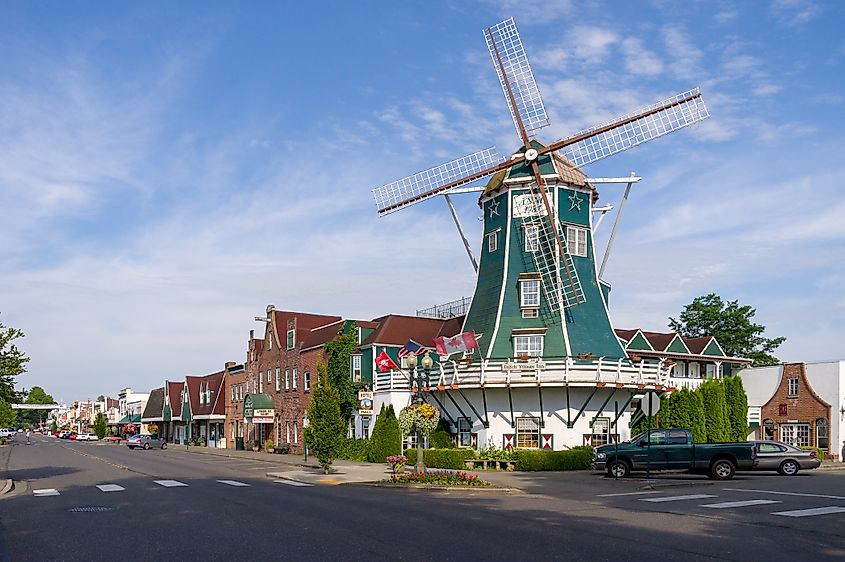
point(538, 292)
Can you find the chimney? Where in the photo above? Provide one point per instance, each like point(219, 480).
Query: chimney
point(230, 364)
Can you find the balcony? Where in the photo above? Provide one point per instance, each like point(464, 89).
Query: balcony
point(532, 373)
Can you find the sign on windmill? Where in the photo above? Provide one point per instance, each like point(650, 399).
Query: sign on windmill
point(560, 279)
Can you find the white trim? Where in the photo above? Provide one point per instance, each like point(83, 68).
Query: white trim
point(563, 327)
point(508, 199)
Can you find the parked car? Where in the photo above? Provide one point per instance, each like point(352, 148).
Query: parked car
point(5, 433)
point(786, 459)
point(72, 435)
point(673, 449)
point(145, 442)
point(87, 437)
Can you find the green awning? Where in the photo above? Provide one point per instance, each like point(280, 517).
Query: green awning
point(253, 402)
point(136, 418)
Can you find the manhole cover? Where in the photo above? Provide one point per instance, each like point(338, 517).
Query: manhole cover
point(93, 508)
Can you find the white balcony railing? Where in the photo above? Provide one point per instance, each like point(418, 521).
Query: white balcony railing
point(531, 373)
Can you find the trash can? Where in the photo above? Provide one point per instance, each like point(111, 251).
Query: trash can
point(239, 443)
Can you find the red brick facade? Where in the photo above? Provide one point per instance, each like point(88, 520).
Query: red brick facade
point(795, 402)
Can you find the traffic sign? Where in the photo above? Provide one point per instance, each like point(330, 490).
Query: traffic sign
point(651, 403)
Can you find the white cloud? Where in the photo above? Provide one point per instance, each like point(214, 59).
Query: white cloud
point(793, 13)
point(686, 57)
point(639, 60)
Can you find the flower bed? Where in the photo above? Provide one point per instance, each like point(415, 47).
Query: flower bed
point(440, 478)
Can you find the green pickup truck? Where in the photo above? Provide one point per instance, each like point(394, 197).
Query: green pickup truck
point(673, 449)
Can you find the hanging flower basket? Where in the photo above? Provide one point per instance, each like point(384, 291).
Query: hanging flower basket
point(422, 418)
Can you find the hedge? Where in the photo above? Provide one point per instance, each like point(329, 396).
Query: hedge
point(354, 450)
point(442, 458)
point(577, 458)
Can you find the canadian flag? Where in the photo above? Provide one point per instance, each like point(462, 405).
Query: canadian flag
point(384, 362)
point(456, 344)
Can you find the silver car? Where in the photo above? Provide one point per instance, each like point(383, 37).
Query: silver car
point(786, 459)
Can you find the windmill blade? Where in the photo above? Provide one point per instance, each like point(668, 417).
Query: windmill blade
point(504, 45)
point(428, 183)
point(633, 129)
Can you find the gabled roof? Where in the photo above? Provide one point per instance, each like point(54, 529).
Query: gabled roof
point(154, 410)
point(321, 335)
point(305, 322)
point(397, 329)
point(673, 345)
point(550, 164)
point(660, 340)
point(174, 398)
point(214, 383)
point(697, 345)
point(625, 334)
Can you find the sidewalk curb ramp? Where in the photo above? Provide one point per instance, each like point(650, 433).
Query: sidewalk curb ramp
point(7, 486)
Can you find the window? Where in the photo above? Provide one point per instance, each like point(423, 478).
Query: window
point(306, 381)
point(792, 386)
point(291, 338)
point(822, 440)
point(693, 370)
point(493, 241)
point(287, 432)
point(278, 379)
point(260, 384)
point(678, 437)
point(293, 374)
point(355, 368)
point(295, 432)
point(679, 370)
point(532, 238)
point(601, 431)
point(287, 379)
point(530, 313)
point(365, 427)
point(795, 434)
point(527, 433)
point(528, 345)
point(464, 432)
point(233, 394)
point(269, 376)
point(269, 341)
point(710, 369)
point(529, 293)
point(576, 241)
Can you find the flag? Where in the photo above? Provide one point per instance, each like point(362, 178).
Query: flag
point(456, 344)
point(412, 347)
point(384, 362)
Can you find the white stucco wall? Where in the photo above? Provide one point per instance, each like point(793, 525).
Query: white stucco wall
point(828, 380)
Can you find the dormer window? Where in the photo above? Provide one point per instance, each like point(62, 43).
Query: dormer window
point(291, 336)
point(532, 238)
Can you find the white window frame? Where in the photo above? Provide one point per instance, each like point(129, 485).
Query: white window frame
point(529, 298)
point(293, 375)
point(287, 379)
point(492, 241)
point(528, 344)
point(576, 241)
point(269, 376)
point(532, 237)
point(464, 429)
point(525, 435)
point(278, 379)
point(792, 387)
point(291, 339)
point(306, 382)
point(269, 342)
point(710, 371)
point(795, 434)
point(355, 368)
point(694, 371)
point(260, 384)
point(295, 432)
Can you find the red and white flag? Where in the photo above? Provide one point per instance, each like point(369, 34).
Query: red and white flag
point(461, 343)
point(384, 362)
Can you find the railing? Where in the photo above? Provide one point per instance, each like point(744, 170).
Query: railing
point(531, 373)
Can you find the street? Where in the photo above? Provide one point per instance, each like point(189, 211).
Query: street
point(91, 501)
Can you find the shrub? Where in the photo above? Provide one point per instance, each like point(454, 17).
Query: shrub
point(354, 450)
point(447, 478)
point(442, 458)
point(269, 444)
point(819, 452)
point(441, 438)
point(577, 458)
point(385, 440)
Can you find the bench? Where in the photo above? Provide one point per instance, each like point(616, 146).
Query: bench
point(282, 449)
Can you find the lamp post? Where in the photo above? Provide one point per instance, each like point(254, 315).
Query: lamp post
point(420, 377)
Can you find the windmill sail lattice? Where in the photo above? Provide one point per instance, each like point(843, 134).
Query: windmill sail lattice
point(561, 287)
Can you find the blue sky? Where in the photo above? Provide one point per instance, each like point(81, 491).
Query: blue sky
point(167, 170)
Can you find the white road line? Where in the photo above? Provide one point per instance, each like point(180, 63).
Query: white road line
point(110, 488)
point(293, 483)
point(258, 467)
point(811, 512)
point(45, 492)
point(628, 494)
point(785, 493)
point(233, 483)
point(169, 483)
point(747, 503)
point(678, 498)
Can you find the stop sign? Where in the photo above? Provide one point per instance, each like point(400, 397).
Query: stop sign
point(651, 403)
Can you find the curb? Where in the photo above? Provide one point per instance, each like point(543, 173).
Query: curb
point(431, 488)
point(256, 458)
point(8, 486)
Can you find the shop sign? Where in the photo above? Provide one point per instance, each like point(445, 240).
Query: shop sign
point(263, 412)
point(248, 409)
point(262, 419)
point(365, 403)
point(528, 366)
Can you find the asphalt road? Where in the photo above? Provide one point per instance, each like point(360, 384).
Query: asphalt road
point(566, 516)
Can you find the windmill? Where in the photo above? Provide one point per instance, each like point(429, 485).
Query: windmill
point(544, 175)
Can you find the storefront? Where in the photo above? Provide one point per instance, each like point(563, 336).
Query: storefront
point(259, 416)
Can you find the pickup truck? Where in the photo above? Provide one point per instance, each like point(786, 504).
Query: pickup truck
point(673, 449)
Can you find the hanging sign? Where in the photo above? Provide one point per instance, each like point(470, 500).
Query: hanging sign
point(365, 403)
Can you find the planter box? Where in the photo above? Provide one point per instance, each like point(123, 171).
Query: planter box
point(485, 464)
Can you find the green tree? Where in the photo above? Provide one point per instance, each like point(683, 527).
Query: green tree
point(441, 437)
point(326, 428)
point(698, 419)
point(53, 427)
point(338, 353)
point(100, 425)
point(385, 440)
point(718, 424)
point(8, 417)
point(12, 363)
point(737, 402)
point(731, 324)
point(36, 395)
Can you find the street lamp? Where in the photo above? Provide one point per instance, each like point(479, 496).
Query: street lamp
point(421, 378)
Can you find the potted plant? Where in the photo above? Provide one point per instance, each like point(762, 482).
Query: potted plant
point(268, 445)
point(255, 447)
point(397, 463)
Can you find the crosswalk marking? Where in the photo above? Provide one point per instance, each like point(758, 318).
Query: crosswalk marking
point(233, 483)
point(169, 483)
point(293, 483)
point(811, 512)
point(786, 493)
point(45, 492)
point(627, 494)
point(746, 503)
point(678, 498)
point(110, 488)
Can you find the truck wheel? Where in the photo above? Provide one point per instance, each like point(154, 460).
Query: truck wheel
point(164, 445)
point(788, 468)
point(618, 469)
point(722, 469)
